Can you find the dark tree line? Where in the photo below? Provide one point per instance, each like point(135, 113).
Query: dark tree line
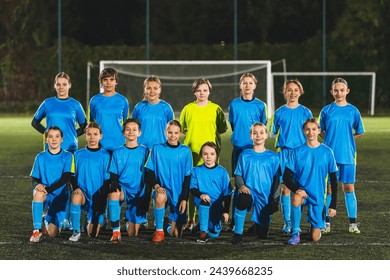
point(356, 31)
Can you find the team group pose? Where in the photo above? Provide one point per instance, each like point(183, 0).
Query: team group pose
point(133, 161)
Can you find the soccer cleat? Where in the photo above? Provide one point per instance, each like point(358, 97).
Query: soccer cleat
point(237, 238)
point(158, 236)
point(286, 229)
point(353, 228)
point(251, 229)
point(195, 229)
point(230, 227)
point(189, 226)
point(36, 236)
point(295, 239)
point(203, 237)
point(75, 236)
point(116, 236)
point(67, 225)
point(326, 229)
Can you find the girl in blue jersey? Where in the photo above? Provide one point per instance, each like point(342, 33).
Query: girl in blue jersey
point(169, 172)
point(62, 111)
point(89, 182)
point(342, 126)
point(305, 175)
point(244, 111)
point(127, 182)
point(109, 109)
point(211, 188)
point(153, 113)
point(286, 128)
point(257, 177)
point(50, 174)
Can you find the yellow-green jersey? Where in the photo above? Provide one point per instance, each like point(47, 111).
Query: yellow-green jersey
point(201, 124)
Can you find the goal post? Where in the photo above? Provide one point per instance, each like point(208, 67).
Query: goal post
point(362, 85)
point(177, 78)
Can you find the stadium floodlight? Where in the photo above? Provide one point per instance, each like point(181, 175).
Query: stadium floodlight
point(177, 78)
point(362, 84)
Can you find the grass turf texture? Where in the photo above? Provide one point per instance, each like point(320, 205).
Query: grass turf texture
point(20, 143)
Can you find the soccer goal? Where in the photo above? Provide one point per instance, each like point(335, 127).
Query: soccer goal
point(317, 88)
point(177, 78)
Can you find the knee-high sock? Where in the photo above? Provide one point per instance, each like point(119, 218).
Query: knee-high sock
point(204, 212)
point(239, 220)
point(37, 211)
point(285, 202)
point(75, 216)
point(159, 217)
point(296, 214)
point(351, 204)
point(115, 213)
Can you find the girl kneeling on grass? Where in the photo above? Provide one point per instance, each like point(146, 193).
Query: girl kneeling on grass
point(211, 188)
point(51, 174)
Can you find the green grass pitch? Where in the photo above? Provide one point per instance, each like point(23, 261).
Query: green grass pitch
point(20, 143)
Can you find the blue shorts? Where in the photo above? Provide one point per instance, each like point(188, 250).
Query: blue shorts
point(346, 173)
point(88, 207)
point(283, 154)
point(316, 215)
point(132, 207)
point(57, 204)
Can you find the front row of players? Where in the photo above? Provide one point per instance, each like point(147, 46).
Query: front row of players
point(99, 184)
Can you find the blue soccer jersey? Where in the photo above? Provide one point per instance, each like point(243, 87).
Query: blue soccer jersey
point(92, 169)
point(214, 181)
point(153, 119)
point(109, 112)
point(170, 165)
point(259, 171)
point(242, 115)
point(64, 113)
point(48, 168)
point(287, 125)
point(128, 164)
point(339, 123)
point(311, 167)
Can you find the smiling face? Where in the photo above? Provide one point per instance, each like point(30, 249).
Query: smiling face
point(131, 131)
point(173, 133)
point(292, 92)
point(152, 91)
point(311, 131)
point(62, 86)
point(54, 139)
point(259, 134)
point(340, 92)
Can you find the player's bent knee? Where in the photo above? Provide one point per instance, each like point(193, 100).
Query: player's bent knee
point(244, 201)
point(315, 234)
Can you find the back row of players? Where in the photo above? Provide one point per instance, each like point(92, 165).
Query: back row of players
point(188, 177)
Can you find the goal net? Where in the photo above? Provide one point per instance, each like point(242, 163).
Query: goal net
point(317, 89)
point(177, 78)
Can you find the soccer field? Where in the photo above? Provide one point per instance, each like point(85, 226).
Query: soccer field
point(20, 143)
